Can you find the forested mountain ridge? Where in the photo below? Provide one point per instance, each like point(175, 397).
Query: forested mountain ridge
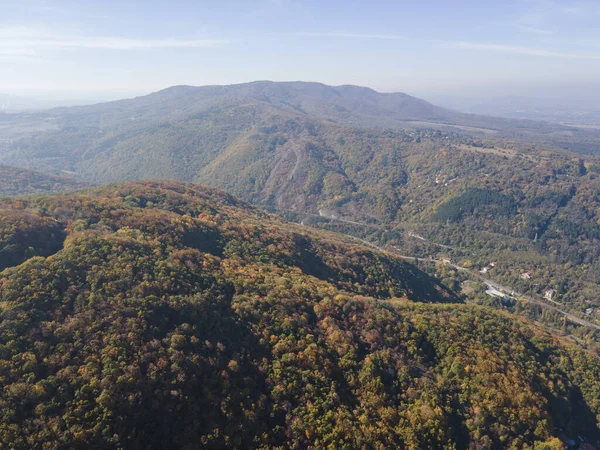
point(16, 181)
point(350, 153)
point(536, 213)
point(343, 104)
point(291, 244)
point(174, 133)
point(169, 315)
point(533, 211)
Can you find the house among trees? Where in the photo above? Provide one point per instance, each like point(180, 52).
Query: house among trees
point(489, 267)
point(526, 276)
point(549, 294)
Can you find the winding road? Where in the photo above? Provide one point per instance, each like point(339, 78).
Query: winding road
point(511, 293)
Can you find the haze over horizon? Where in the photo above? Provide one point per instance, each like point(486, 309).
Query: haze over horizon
point(101, 51)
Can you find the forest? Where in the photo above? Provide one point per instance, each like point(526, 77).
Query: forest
point(154, 315)
point(381, 167)
point(21, 181)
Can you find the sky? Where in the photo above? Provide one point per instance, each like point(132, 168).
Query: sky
point(110, 49)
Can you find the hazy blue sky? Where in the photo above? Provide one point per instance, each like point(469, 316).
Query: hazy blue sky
point(423, 46)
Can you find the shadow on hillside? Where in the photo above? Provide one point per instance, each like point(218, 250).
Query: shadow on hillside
point(212, 387)
point(29, 235)
point(377, 275)
point(568, 409)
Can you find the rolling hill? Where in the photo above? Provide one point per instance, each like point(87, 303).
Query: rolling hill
point(157, 315)
point(16, 181)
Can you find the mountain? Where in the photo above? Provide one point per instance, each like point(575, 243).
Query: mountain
point(354, 160)
point(176, 133)
point(18, 181)
point(341, 104)
point(157, 315)
point(182, 129)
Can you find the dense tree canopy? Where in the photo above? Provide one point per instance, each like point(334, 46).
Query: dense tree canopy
point(20, 181)
point(168, 315)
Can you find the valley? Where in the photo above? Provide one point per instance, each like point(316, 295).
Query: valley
point(506, 293)
point(387, 168)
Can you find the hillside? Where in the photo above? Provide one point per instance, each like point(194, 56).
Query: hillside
point(19, 181)
point(323, 156)
point(174, 133)
point(534, 212)
point(166, 315)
